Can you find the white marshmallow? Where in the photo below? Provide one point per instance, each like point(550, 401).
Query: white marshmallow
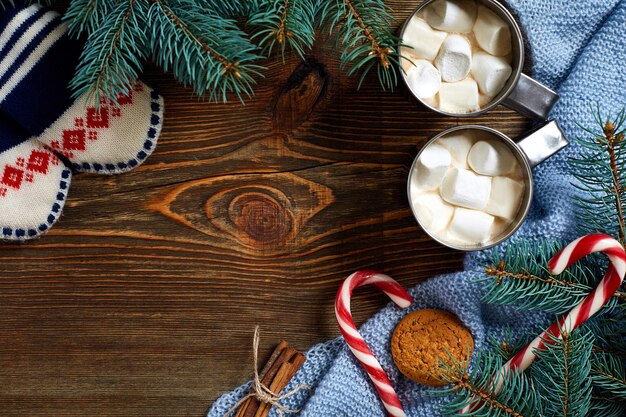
point(491, 158)
point(455, 58)
point(458, 98)
point(408, 60)
point(500, 227)
point(506, 195)
point(432, 101)
point(433, 213)
point(490, 72)
point(424, 42)
point(424, 79)
point(459, 145)
point(484, 100)
point(451, 15)
point(463, 188)
point(492, 33)
point(431, 166)
point(471, 226)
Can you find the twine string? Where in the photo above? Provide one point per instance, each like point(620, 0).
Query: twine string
point(263, 393)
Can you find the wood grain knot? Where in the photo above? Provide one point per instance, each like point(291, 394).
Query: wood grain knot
point(259, 214)
point(299, 95)
point(261, 217)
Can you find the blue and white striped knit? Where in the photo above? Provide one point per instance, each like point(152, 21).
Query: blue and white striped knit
point(579, 49)
point(41, 125)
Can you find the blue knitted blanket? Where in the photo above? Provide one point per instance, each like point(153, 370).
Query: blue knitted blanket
point(578, 49)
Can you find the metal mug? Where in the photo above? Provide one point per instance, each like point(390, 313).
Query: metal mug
point(530, 150)
point(520, 93)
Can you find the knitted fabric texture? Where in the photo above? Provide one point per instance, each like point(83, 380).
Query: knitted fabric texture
point(37, 62)
point(42, 127)
point(579, 49)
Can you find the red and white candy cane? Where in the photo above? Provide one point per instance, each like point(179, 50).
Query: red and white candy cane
point(354, 340)
point(603, 292)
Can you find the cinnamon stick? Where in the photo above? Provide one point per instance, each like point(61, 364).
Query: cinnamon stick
point(281, 367)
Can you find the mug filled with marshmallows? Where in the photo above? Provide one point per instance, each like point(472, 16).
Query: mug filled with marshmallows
point(470, 187)
point(465, 57)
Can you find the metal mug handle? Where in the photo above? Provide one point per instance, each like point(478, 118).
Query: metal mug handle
point(531, 98)
point(543, 142)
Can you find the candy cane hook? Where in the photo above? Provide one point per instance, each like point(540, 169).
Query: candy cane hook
point(357, 344)
point(590, 305)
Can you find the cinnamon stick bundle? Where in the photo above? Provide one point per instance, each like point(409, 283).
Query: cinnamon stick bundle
point(282, 365)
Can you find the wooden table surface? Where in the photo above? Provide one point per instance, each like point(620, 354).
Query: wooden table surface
point(143, 299)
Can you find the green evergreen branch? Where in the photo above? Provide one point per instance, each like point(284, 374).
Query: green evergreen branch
point(517, 397)
point(85, 16)
point(520, 277)
point(602, 406)
point(363, 29)
point(563, 367)
point(112, 56)
point(5, 3)
point(203, 50)
point(286, 23)
point(608, 373)
point(601, 175)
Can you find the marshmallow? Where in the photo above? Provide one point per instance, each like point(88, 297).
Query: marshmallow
point(461, 97)
point(407, 58)
point(459, 145)
point(451, 15)
point(470, 226)
point(462, 187)
point(490, 72)
point(505, 198)
point(433, 213)
point(432, 101)
point(455, 58)
point(500, 228)
point(484, 100)
point(491, 158)
point(431, 166)
point(492, 33)
point(423, 79)
point(423, 41)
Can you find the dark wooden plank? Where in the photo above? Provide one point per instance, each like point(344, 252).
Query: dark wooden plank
point(143, 299)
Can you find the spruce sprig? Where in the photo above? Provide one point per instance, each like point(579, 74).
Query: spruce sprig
point(517, 397)
point(203, 50)
point(520, 277)
point(286, 23)
point(608, 373)
point(564, 367)
point(362, 31)
point(600, 174)
point(113, 54)
point(86, 16)
point(606, 407)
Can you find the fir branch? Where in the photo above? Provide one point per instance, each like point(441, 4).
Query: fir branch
point(111, 59)
point(520, 277)
point(232, 8)
point(563, 367)
point(363, 30)
point(4, 4)
point(608, 373)
point(85, 16)
point(608, 328)
point(507, 346)
point(285, 23)
point(601, 175)
point(203, 50)
point(602, 406)
point(517, 397)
